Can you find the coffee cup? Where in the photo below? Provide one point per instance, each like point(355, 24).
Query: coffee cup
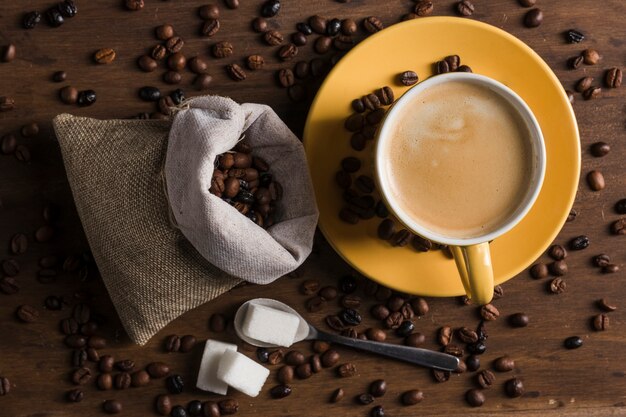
point(460, 160)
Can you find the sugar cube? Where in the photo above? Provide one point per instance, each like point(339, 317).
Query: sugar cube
point(269, 325)
point(242, 373)
point(207, 376)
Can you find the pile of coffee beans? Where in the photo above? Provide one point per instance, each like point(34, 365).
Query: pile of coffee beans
point(245, 182)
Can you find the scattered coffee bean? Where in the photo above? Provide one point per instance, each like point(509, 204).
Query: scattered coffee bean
point(172, 343)
point(187, 343)
point(9, 144)
point(518, 320)
point(346, 370)
point(467, 335)
point(533, 18)
point(378, 388)
point(472, 362)
point(600, 322)
point(558, 268)
point(618, 227)
point(294, 358)
point(104, 56)
point(620, 206)
point(8, 53)
point(139, 378)
point(175, 384)
point(81, 376)
point(134, 5)
point(122, 380)
point(514, 387)
point(592, 93)
point(112, 406)
point(583, 84)
point(475, 397)
point(104, 382)
point(579, 243)
point(573, 342)
point(423, 8)
point(489, 312)
point(304, 371)
point(54, 17)
point(605, 305)
point(405, 328)
point(610, 269)
point(229, 405)
point(591, 56)
point(86, 98)
point(408, 78)
point(485, 379)
point(273, 37)
point(235, 72)
point(444, 336)
point(330, 358)
point(333, 27)
point(328, 293)
point(574, 36)
point(337, 395)
point(365, 399)
point(6, 103)
point(539, 270)
point(126, 365)
point(74, 396)
point(372, 24)
point(27, 314)
point(600, 149)
point(31, 19)
point(613, 77)
point(557, 252)
point(377, 411)
point(194, 408)
point(415, 339)
point(575, 62)
point(440, 376)
point(465, 8)
point(209, 11)
point(280, 391)
point(287, 52)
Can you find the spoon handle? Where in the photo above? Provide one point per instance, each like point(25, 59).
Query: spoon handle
point(418, 356)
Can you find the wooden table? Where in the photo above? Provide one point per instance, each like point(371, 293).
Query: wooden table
point(587, 381)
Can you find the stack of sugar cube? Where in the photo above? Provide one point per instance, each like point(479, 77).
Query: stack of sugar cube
point(222, 366)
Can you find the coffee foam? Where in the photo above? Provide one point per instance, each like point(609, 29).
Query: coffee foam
point(458, 159)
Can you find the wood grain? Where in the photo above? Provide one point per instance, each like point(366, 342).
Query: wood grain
point(583, 382)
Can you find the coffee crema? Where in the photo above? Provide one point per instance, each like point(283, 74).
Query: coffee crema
point(458, 160)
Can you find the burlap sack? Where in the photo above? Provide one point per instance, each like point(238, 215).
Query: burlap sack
point(209, 127)
point(152, 272)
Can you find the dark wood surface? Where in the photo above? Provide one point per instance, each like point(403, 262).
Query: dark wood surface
point(587, 381)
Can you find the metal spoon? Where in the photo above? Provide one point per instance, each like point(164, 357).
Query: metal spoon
point(306, 331)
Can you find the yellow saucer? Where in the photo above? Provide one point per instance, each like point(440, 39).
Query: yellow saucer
point(415, 45)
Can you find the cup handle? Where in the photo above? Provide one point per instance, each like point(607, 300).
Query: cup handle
point(476, 271)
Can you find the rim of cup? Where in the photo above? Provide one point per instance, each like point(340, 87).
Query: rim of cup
point(535, 135)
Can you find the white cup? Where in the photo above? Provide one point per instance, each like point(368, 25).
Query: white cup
point(471, 254)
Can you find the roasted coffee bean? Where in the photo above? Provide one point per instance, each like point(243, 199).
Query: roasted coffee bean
point(287, 52)
point(81, 376)
point(330, 358)
point(394, 320)
point(158, 52)
point(618, 227)
point(590, 56)
point(69, 95)
point(337, 395)
point(175, 384)
point(328, 293)
point(395, 303)
point(172, 343)
point(126, 365)
point(79, 357)
point(104, 56)
point(139, 378)
point(335, 322)
point(539, 271)
point(89, 329)
point(454, 350)
point(122, 380)
point(583, 84)
point(315, 304)
point(380, 312)
point(255, 62)
point(600, 149)
point(365, 399)
point(346, 370)
point(600, 322)
point(441, 67)
point(92, 354)
point(570, 96)
point(514, 387)
point(377, 411)
point(465, 8)
point(575, 62)
point(533, 18)
point(386, 96)
point(558, 268)
point(440, 376)
point(573, 342)
point(423, 8)
point(298, 38)
point(210, 27)
point(574, 36)
point(74, 396)
point(408, 78)
point(343, 42)
point(176, 62)
point(613, 77)
point(5, 386)
point(259, 25)
point(489, 312)
point(104, 382)
point(557, 252)
point(209, 11)
point(453, 62)
point(217, 323)
point(415, 339)
point(592, 93)
point(187, 343)
point(86, 98)
point(228, 406)
point(6, 103)
point(348, 27)
point(31, 19)
point(27, 314)
point(134, 5)
point(485, 379)
point(106, 364)
point(29, 130)
point(557, 286)
point(202, 81)
point(377, 335)
point(8, 286)
point(302, 70)
point(222, 49)
point(81, 313)
point(372, 24)
point(605, 305)
point(69, 326)
point(467, 335)
point(164, 32)
point(518, 320)
point(318, 24)
point(444, 336)
point(323, 44)
point(310, 286)
point(348, 284)
point(285, 374)
point(9, 143)
point(620, 206)
point(371, 101)
point(276, 356)
point(10, 267)
point(304, 371)
point(262, 355)
point(412, 397)
point(504, 364)
point(351, 301)
point(44, 234)
point(273, 37)
point(579, 243)
point(19, 244)
point(610, 268)
point(270, 8)
point(68, 8)
point(320, 346)
point(295, 358)
point(472, 362)
point(112, 406)
point(475, 397)
point(333, 27)
point(280, 391)
point(405, 328)
point(54, 17)
point(194, 408)
point(350, 317)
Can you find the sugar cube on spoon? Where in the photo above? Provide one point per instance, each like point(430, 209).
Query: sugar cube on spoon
point(269, 325)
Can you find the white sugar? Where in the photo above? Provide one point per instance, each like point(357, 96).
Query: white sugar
point(269, 325)
point(242, 373)
point(207, 376)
